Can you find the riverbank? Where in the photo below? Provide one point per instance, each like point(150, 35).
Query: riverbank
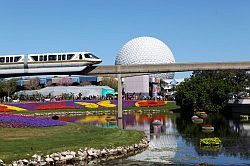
point(23, 143)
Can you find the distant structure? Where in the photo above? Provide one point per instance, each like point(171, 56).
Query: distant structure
point(168, 87)
point(145, 50)
point(82, 91)
point(48, 80)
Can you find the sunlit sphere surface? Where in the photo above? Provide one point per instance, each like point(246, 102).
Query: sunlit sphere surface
point(146, 50)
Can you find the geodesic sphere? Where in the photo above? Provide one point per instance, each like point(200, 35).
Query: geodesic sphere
point(145, 50)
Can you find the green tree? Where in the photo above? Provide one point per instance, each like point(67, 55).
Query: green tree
point(207, 90)
point(8, 86)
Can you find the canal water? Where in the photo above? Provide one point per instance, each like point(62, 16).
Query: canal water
point(177, 140)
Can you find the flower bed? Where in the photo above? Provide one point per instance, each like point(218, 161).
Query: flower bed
point(8, 108)
point(201, 114)
point(78, 104)
point(150, 103)
point(46, 105)
point(197, 120)
point(19, 121)
point(210, 141)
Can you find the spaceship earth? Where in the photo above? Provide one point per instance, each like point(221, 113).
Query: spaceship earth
point(146, 50)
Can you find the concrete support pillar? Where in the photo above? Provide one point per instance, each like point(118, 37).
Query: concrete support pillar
point(119, 100)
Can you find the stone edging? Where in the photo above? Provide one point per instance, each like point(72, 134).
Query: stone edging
point(82, 156)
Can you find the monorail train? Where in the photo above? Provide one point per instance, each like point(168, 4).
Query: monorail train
point(46, 63)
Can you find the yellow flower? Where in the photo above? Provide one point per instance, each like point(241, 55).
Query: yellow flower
point(88, 105)
point(106, 103)
point(14, 108)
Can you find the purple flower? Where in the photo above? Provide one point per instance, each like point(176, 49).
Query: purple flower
point(17, 121)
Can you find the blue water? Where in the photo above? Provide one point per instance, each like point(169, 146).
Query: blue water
point(176, 141)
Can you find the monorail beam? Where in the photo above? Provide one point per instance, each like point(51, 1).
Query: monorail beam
point(161, 68)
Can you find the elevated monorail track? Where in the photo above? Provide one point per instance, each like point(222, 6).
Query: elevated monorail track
point(162, 68)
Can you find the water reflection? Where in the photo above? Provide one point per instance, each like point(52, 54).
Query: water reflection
point(240, 124)
point(235, 147)
point(175, 139)
point(163, 142)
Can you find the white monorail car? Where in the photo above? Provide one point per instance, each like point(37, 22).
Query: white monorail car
point(46, 63)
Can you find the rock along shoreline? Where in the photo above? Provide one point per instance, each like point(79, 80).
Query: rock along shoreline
point(82, 156)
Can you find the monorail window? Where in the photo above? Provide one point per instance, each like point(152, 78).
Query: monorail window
point(93, 56)
point(59, 57)
point(80, 56)
point(41, 58)
point(87, 56)
point(64, 57)
point(52, 57)
point(35, 58)
point(45, 58)
point(7, 59)
point(69, 56)
point(2, 59)
point(17, 58)
point(11, 59)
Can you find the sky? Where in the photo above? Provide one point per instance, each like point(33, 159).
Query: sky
point(195, 30)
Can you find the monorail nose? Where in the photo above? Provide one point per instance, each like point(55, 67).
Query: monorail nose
point(97, 61)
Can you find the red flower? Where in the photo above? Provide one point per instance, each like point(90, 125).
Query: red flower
point(4, 109)
point(150, 103)
point(53, 106)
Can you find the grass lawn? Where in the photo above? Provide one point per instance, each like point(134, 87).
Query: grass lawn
point(20, 143)
point(170, 106)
